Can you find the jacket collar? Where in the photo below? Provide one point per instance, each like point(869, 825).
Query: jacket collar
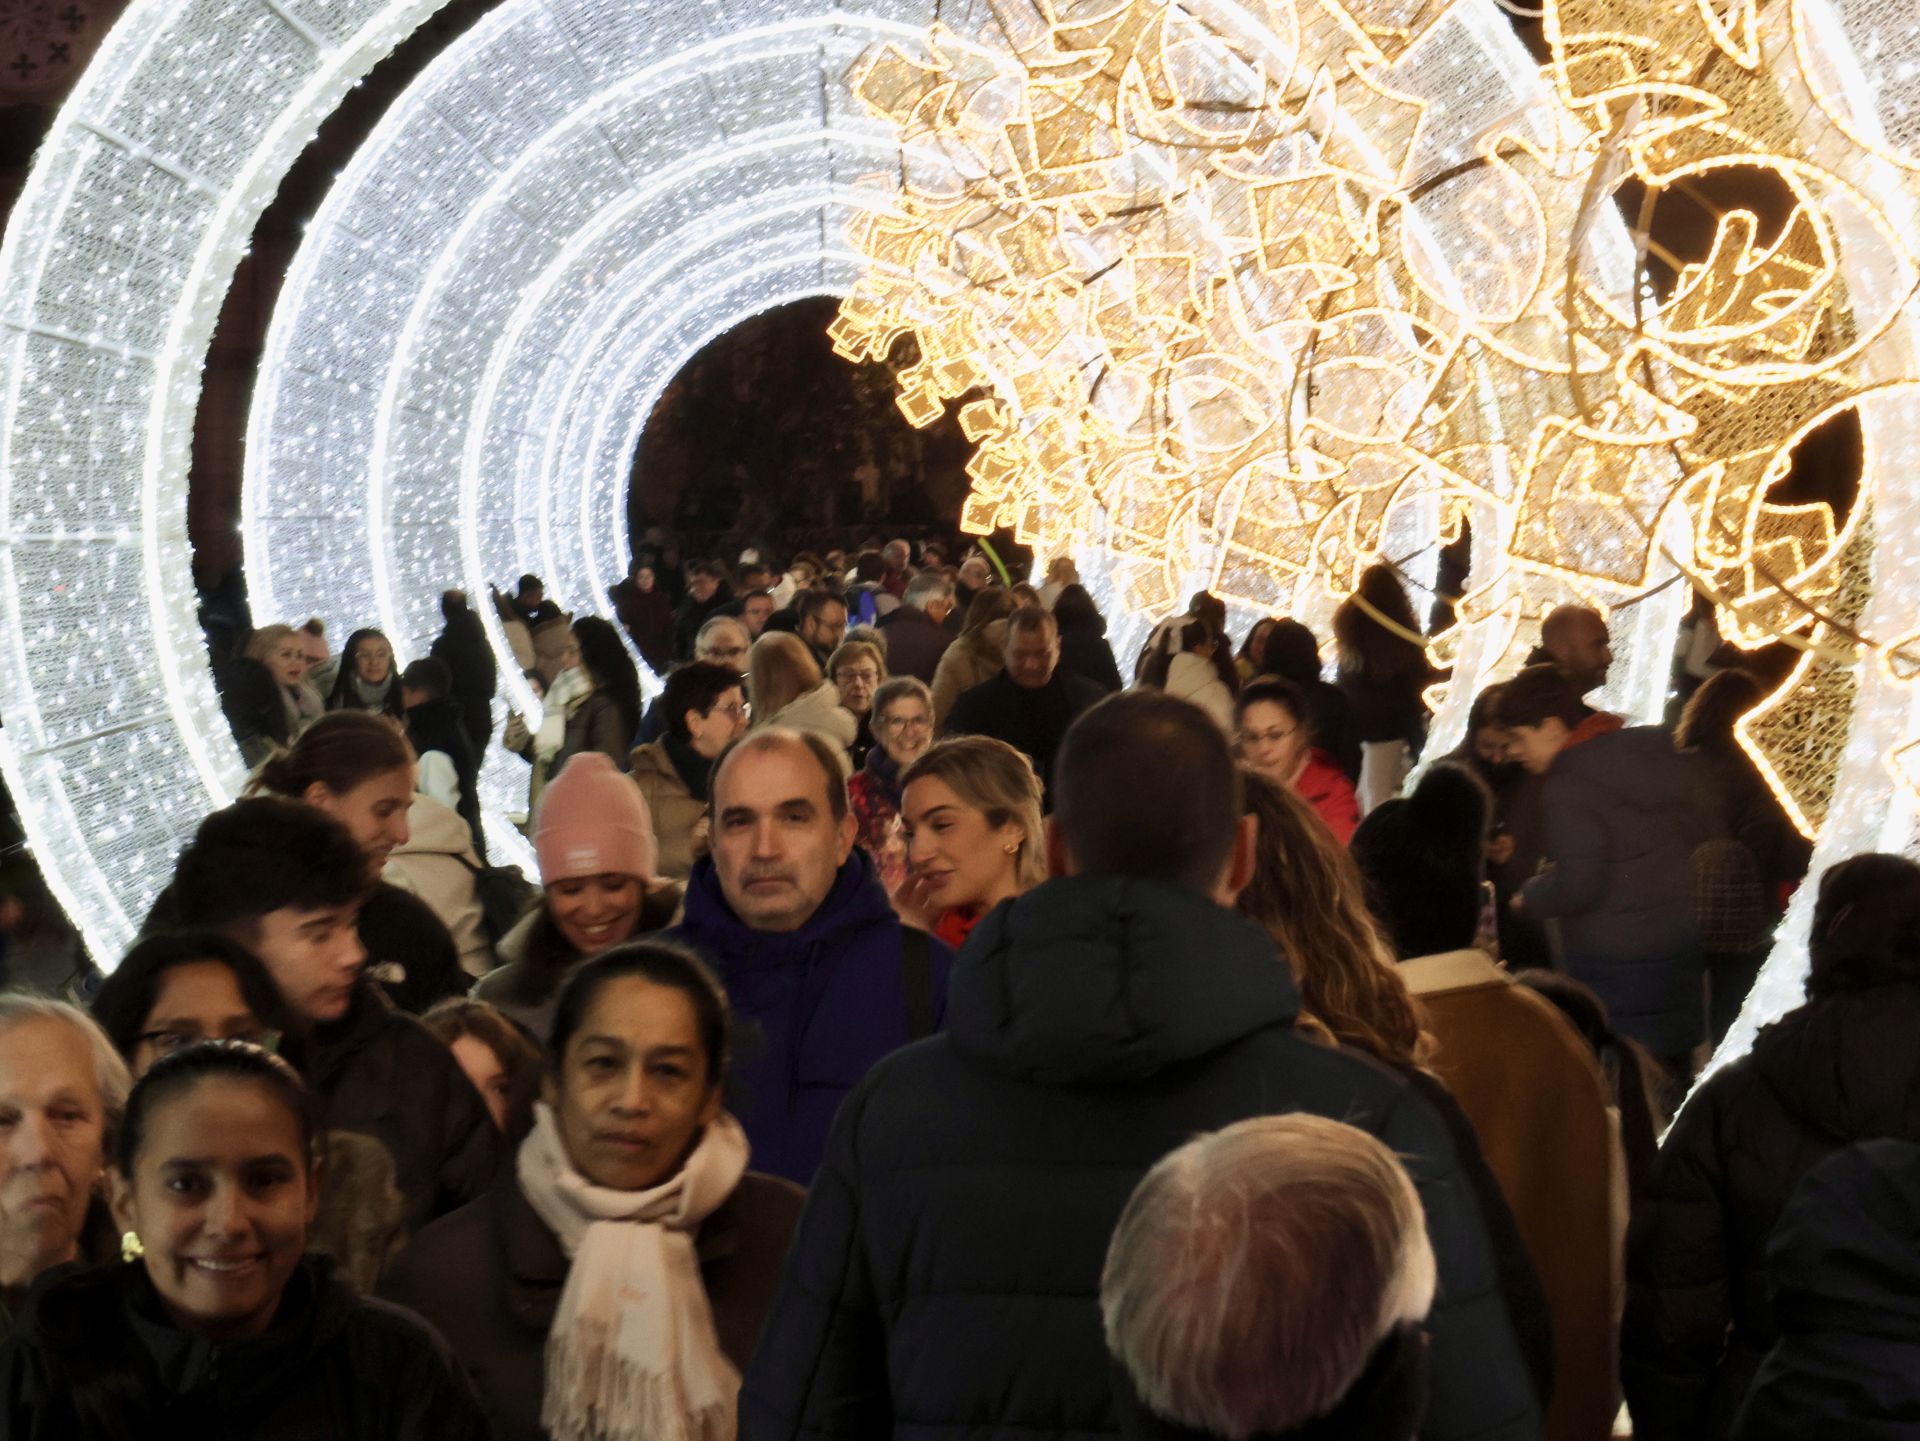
point(1100, 979)
point(1387, 1402)
point(1452, 971)
point(856, 899)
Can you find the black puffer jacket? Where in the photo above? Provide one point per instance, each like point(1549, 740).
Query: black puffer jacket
point(384, 1075)
point(1622, 820)
point(944, 1281)
point(1845, 1264)
point(1840, 1069)
point(332, 1365)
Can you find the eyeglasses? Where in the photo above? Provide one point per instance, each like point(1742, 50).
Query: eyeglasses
point(726, 653)
point(739, 710)
point(848, 677)
point(1267, 738)
point(906, 722)
point(167, 1041)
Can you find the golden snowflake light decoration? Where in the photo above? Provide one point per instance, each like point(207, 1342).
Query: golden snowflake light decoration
point(1253, 296)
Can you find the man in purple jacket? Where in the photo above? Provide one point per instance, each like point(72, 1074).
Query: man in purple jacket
point(794, 920)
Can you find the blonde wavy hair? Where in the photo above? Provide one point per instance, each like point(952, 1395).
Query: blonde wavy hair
point(1307, 894)
point(780, 669)
point(999, 782)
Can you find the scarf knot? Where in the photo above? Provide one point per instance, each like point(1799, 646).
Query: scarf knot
point(633, 1354)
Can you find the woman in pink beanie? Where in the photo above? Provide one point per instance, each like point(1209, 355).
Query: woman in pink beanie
point(597, 853)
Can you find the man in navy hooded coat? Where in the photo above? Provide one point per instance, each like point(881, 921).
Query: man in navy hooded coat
point(791, 914)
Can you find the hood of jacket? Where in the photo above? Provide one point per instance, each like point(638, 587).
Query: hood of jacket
point(1846, 1064)
point(856, 900)
point(436, 830)
point(1098, 979)
point(1190, 677)
point(1637, 768)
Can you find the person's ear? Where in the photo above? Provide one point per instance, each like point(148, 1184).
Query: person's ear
point(1238, 874)
point(120, 1199)
point(710, 1108)
point(317, 795)
point(847, 830)
point(1059, 858)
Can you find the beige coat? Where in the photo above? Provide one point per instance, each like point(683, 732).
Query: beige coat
point(966, 664)
point(820, 711)
point(435, 865)
point(679, 821)
point(1194, 679)
point(1537, 1102)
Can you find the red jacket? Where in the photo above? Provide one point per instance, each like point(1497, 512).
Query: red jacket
point(1325, 787)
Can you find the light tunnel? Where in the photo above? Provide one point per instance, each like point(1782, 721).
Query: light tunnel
point(559, 211)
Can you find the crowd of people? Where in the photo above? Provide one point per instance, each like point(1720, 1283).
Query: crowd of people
point(925, 1021)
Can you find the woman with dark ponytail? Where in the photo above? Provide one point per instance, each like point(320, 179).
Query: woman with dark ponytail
point(218, 1323)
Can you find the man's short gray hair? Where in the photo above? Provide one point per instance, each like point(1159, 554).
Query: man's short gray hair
point(1256, 1270)
point(110, 1073)
point(715, 623)
point(927, 586)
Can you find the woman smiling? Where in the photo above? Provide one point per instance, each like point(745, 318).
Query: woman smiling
point(223, 1326)
point(971, 811)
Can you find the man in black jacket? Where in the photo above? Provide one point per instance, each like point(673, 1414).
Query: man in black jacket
point(286, 881)
point(475, 673)
point(449, 761)
point(918, 633)
point(946, 1272)
point(1030, 704)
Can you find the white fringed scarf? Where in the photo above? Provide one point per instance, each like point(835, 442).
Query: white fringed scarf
point(633, 1355)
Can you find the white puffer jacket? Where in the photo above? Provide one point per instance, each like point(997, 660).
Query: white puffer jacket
point(434, 865)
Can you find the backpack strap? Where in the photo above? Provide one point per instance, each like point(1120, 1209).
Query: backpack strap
point(916, 981)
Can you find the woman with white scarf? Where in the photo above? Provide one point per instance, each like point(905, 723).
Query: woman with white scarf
point(612, 1285)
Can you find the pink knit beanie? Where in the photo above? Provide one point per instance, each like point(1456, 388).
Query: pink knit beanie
point(593, 820)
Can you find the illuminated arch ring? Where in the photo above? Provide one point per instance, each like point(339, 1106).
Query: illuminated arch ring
point(121, 249)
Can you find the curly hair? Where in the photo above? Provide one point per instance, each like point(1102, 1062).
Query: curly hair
point(1307, 894)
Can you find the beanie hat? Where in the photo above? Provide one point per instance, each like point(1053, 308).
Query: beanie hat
point(593, 820)
point(1423, 858)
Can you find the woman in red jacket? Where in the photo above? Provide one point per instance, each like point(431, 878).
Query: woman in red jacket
point(1275, 735)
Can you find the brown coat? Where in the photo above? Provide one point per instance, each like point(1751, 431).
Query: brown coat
point(968, 662)
point(1537, 1101)
point(676, 813)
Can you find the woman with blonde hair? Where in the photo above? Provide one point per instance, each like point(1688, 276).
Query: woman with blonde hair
point(786, 688)
point(977, 654)
point(1309, 896)
point(970, 808)
point(282, 650)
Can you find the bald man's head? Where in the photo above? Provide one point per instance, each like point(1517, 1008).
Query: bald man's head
point(1576, 639)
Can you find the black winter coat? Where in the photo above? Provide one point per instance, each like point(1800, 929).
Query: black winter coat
point(409, 949)
point(437, 725)
point(1621, 823)
point(1840, 1069)
point(476, 674)
point(946, 1274)
point(489, 1278)
point(385, 1075)
point(333, 1366)
point(914, 643)
point(1085, 652)
point(1033, 720)
point(1845, 1266)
